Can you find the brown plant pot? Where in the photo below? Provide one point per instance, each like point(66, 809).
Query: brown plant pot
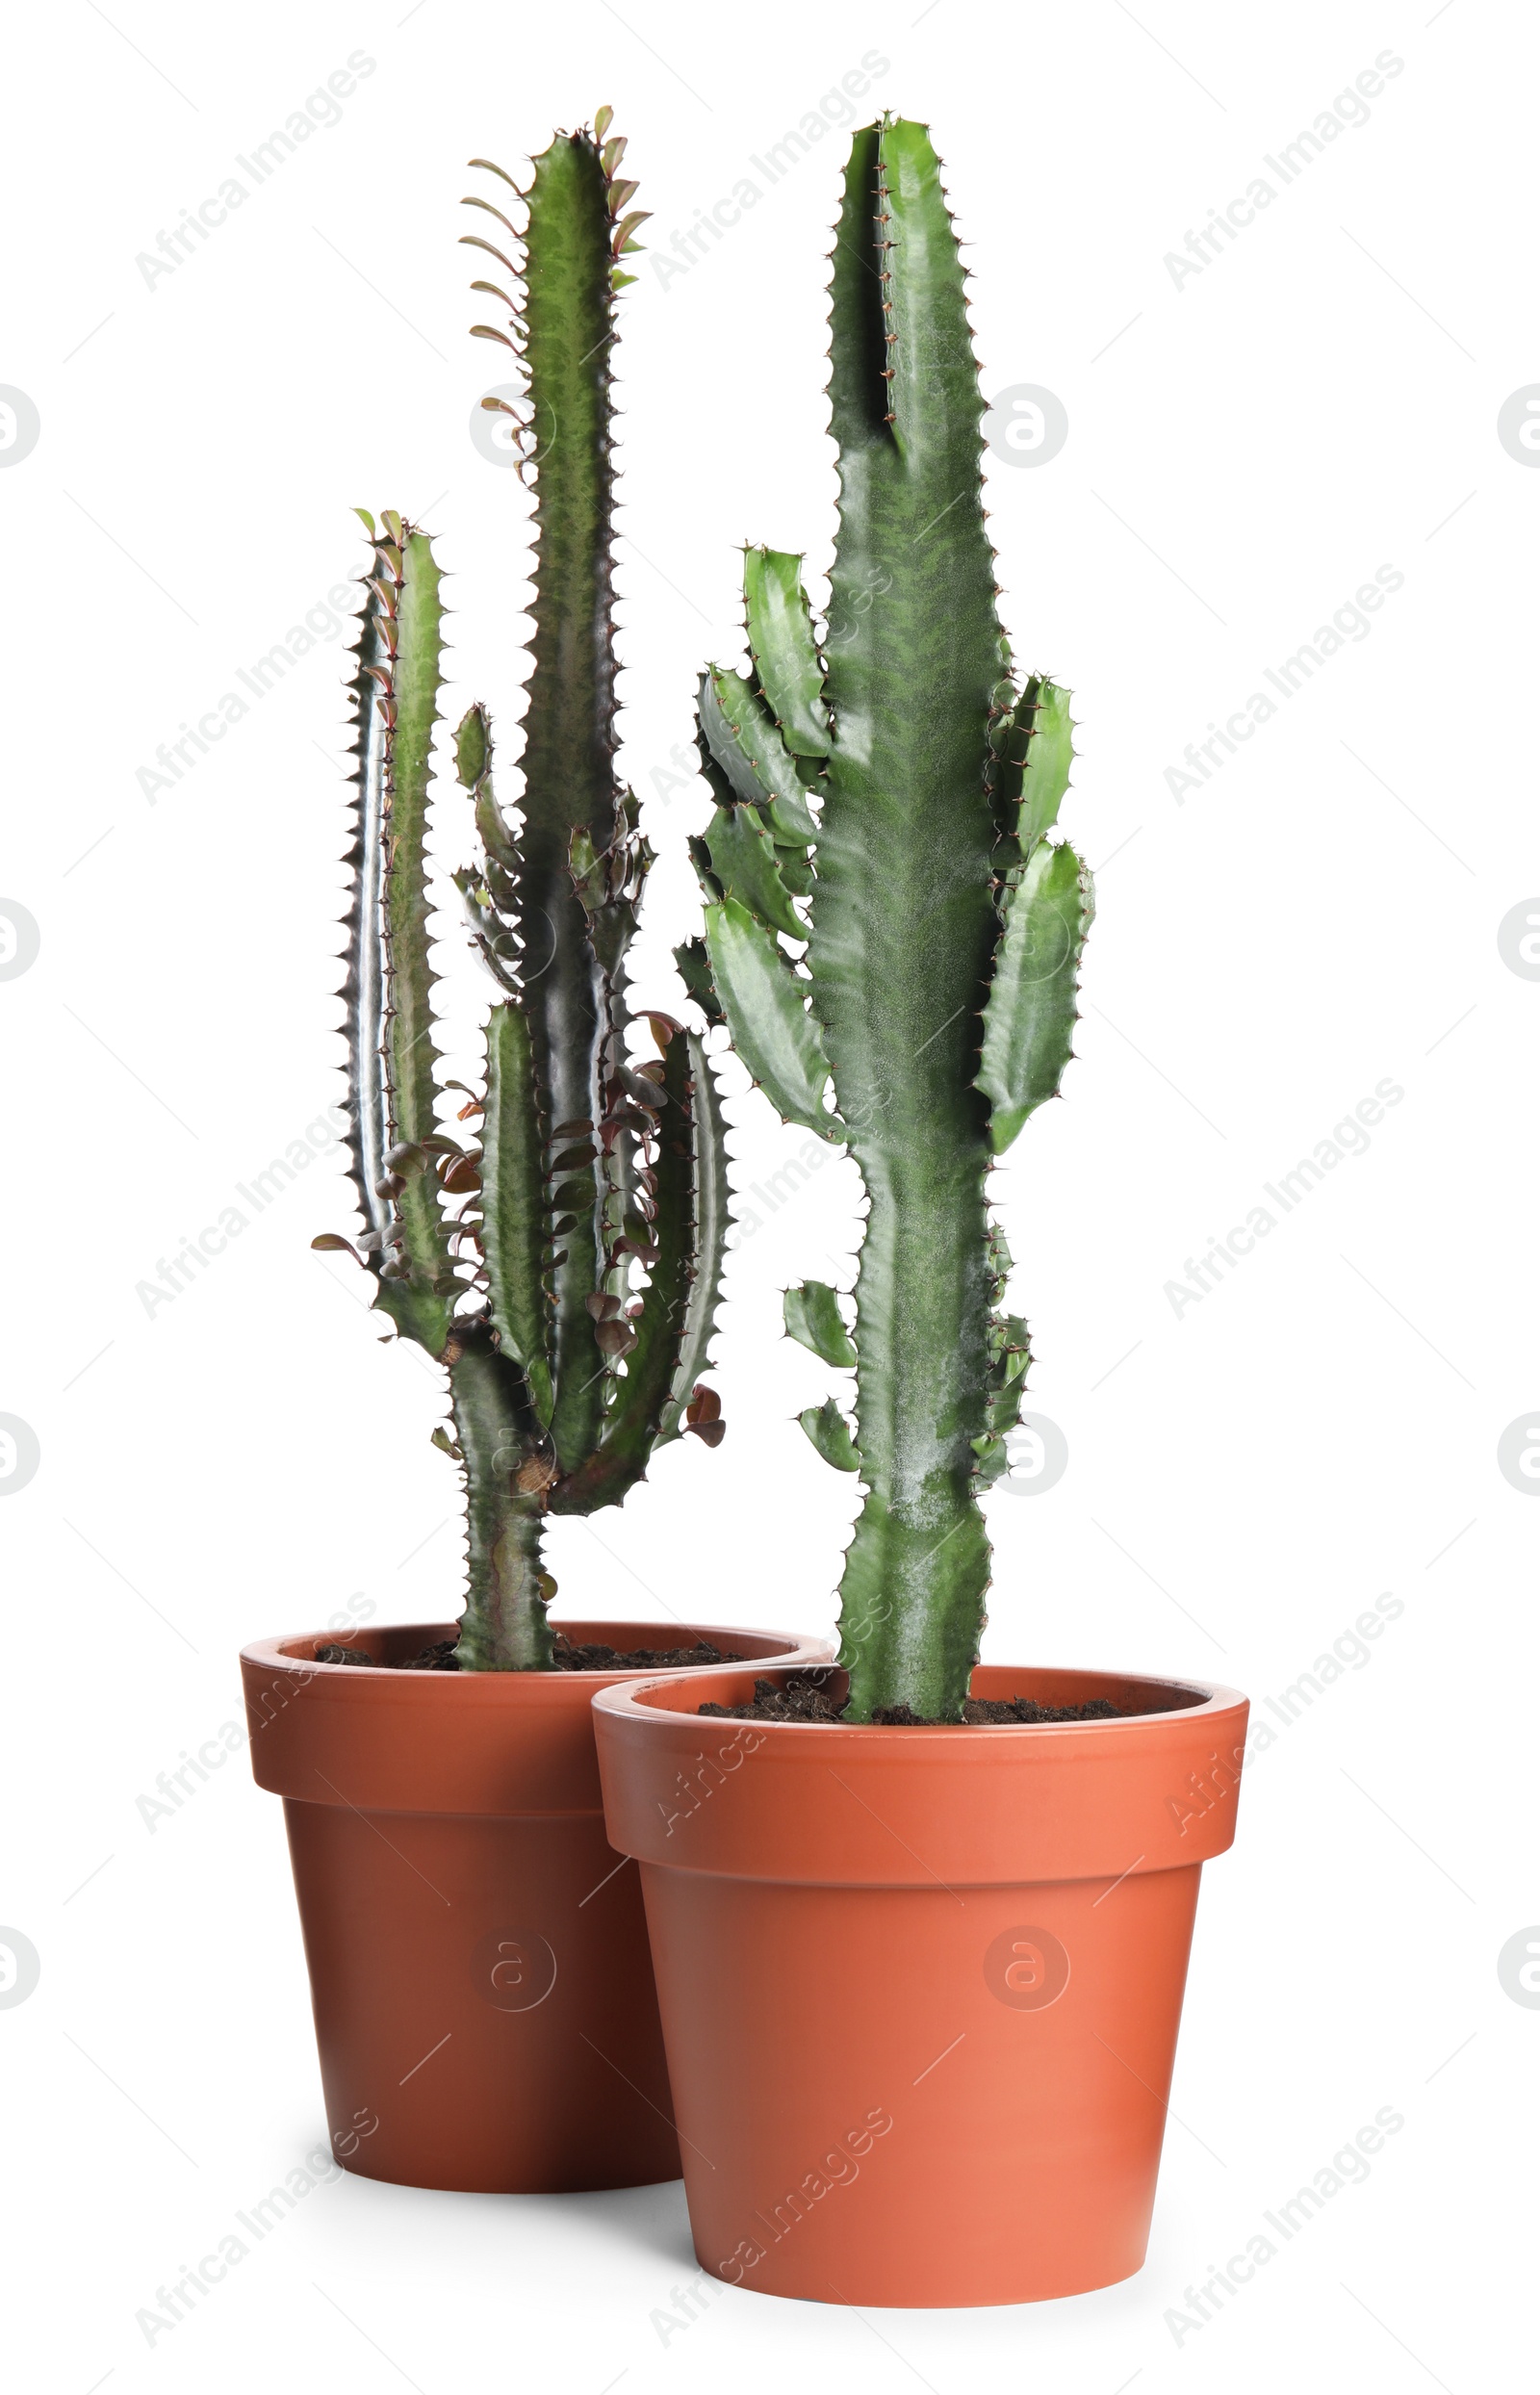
point(479, 1964)
point(920, 1987)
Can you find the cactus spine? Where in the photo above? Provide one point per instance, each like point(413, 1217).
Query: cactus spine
point(931, 1008)
point(515, 1265)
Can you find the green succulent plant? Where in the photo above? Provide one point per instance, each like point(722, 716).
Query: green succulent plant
point(890, 933)
point(516, 1263)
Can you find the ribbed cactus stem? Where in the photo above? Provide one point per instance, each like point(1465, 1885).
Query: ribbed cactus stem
point(936, 992)
point(905, 923)
point(516, 1266)
point(568, 762)
point(505, 1626)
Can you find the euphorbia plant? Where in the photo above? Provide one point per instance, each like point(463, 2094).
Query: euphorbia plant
point(885, 797)
point(515, 1265)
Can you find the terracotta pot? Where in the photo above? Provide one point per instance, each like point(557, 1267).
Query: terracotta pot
point(920, 1988)
point(478, 1964)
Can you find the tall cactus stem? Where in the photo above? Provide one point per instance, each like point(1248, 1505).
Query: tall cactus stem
point(937, 991)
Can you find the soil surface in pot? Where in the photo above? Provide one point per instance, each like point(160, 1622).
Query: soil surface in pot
point(566, 1658)
point(804, 1696)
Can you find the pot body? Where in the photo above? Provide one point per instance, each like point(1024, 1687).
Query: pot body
point(920, 1988)
point(478, 1964)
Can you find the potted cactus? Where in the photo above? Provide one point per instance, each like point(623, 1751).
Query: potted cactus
point(921, 1972)
point(477, 1955)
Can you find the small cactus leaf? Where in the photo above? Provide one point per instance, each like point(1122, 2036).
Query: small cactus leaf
point(695, 972)
point(830, 1433)
point(1010, 1359)
point(1005, 1405)
point(496, 945)
point(767, 1016)
point(1030, 1018)
point(1010, 1349)
point(992, 1461)
point(795, 868)
point(1034, 751)
point(704, 1416)
point(472, 746)
point(745, 743)
point(746, 865)
point(513, 1206)
point(812, 1315)
point(334, 1240)
point(492, 830)
point(784, 652)
point(743, 862)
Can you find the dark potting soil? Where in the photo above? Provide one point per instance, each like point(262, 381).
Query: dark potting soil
point(440, 1657)
point(804, 1696)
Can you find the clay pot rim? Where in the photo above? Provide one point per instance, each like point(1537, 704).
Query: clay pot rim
point(633, 1702)
point(788, 1650)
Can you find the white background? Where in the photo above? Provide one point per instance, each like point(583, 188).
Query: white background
point(1245, 449)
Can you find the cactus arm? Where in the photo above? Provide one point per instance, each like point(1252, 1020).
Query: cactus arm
point(742, 859)
point(767, 1015)
point(363, 991)
point(904, 919)
point(1009, 1359)
point(393, 1092)
point(830, 1433)
point(514, 1202)
point(1034, 750)
point(712, 1220)
point(695, 972)
point(504, 1627)
point(668, 1336)
point(747, 746)
point(511, 1233)
point(812, 1315)
point(1029, 1021)
point(785, 651)
point(409, 1044)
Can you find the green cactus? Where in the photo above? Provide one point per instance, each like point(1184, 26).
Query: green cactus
point(514, 1265)
point(932, 1007)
